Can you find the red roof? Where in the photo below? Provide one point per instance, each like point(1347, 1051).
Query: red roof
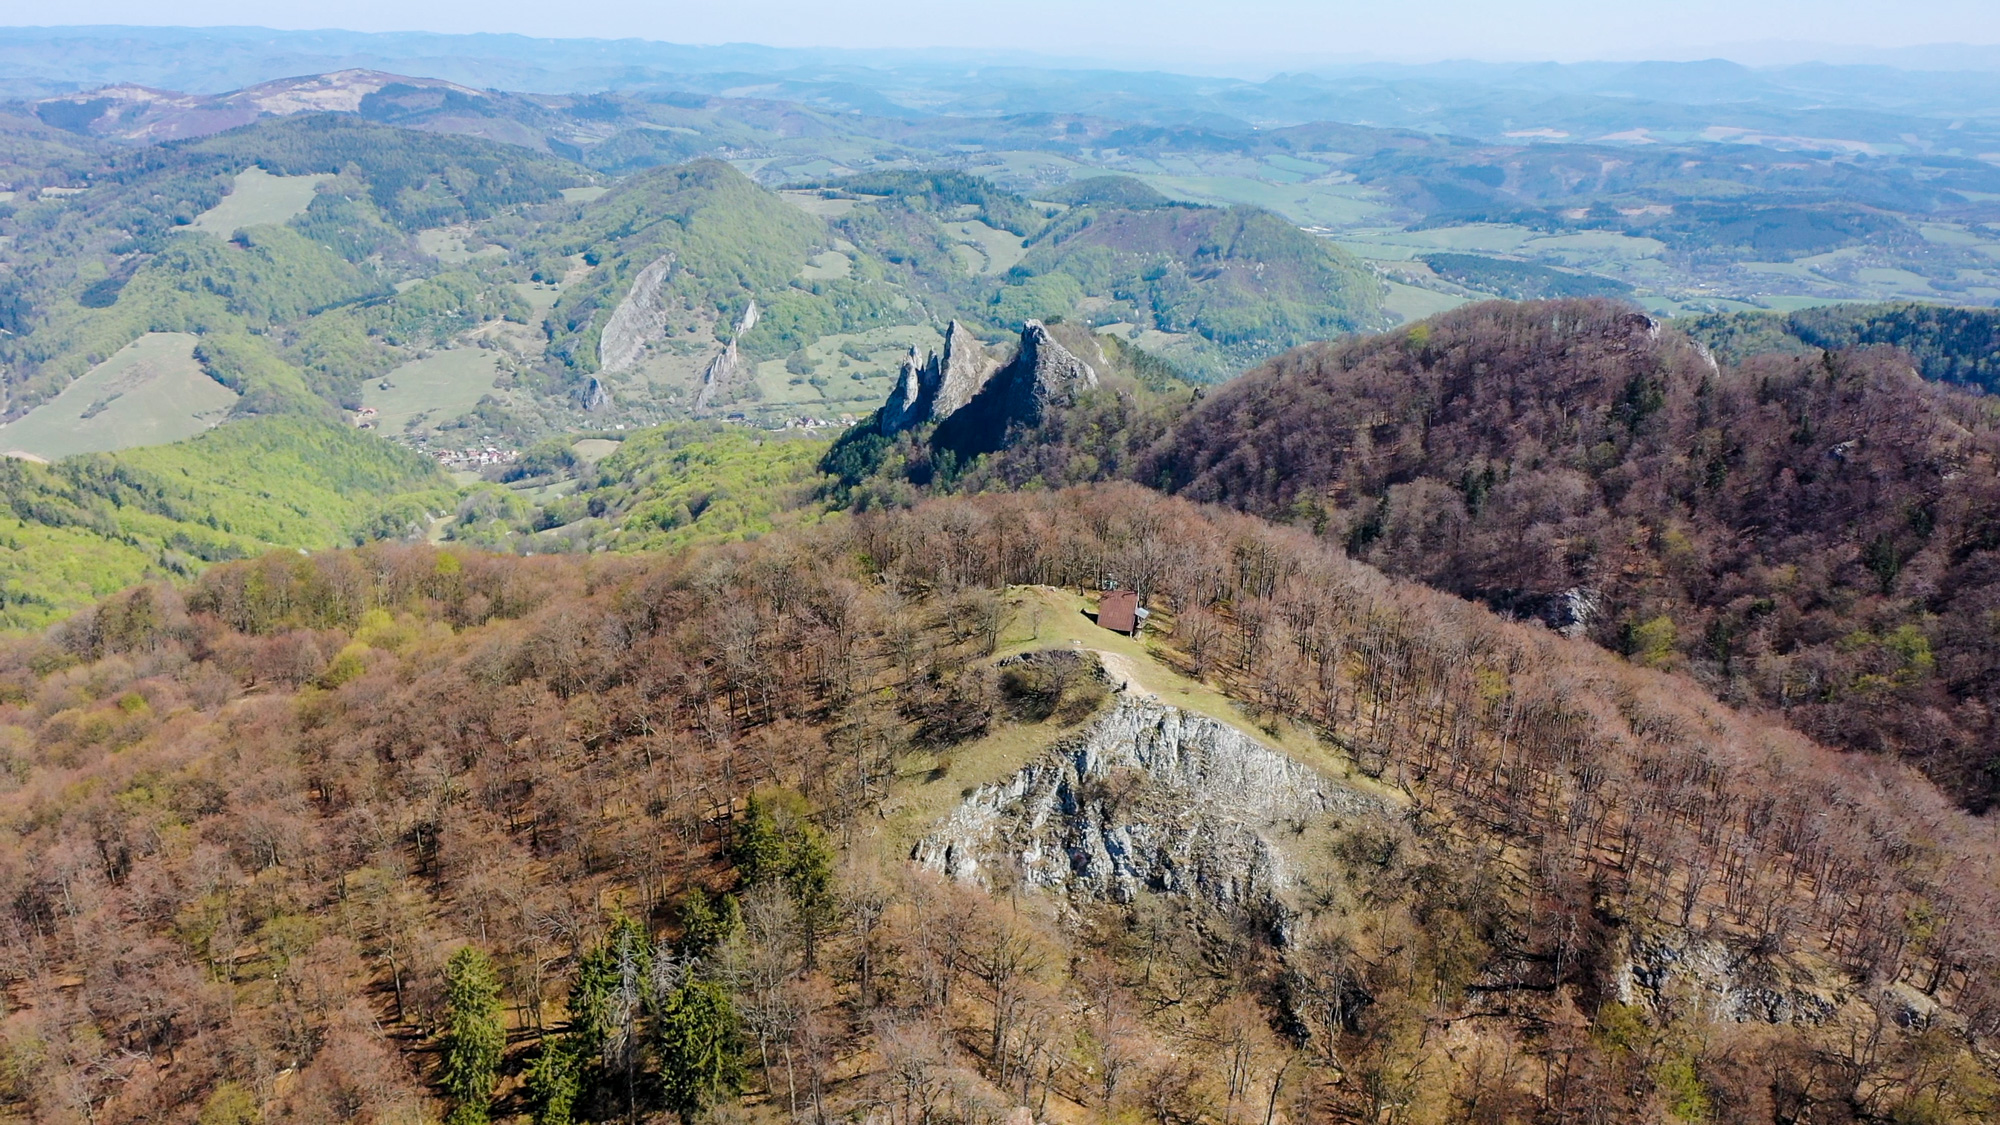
point(1118, 610)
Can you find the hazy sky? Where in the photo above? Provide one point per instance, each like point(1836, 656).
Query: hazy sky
point(1164, 31)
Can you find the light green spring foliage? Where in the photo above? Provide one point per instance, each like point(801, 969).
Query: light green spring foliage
point(1245, 281)
point(88, 526)
point(666, 488)
point(473, 1038)
point(198, 283)
point(230, 1104)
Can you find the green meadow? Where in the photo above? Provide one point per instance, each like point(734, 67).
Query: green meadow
point(150, 393)
point(259, 199)
point(434, 389)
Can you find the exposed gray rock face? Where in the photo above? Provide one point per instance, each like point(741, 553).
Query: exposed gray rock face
point(724, 368)
point(911, 397)
point(964, 369)
point(1570, 612)
point(1042, 375)
point(595, 396)
point(640, 319)
point(1150, 797)
point(932, 387)
point(1673, 967)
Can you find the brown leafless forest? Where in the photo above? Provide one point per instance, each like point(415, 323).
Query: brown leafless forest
point(248, 824)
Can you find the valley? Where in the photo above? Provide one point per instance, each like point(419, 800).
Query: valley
point(916, 593)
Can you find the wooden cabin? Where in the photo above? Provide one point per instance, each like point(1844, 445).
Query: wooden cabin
point(1118, 611)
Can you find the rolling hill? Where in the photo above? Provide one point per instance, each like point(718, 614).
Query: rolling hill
point(1803, 532)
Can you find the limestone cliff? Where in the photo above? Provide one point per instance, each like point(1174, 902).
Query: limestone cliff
point(1149, 797)
point(639, 320)
point(1042, 375)
point(963, 370)
point(931, 387)
point(976, 405)
point(724, 369)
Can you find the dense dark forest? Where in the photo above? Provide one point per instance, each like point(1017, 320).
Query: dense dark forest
point(371, 835)
point(1813, 533)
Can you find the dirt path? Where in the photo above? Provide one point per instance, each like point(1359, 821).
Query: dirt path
point(1123, 670)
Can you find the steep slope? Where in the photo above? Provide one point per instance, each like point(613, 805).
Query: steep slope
point(90, 272)
point(665, 805)
point(1232, 285)
point(680, 255)
point(1810, 533)
point(1949, 345)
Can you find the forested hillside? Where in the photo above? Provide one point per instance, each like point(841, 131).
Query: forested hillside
point(1226, 286)
point(723, 242)
point(1243, 279)
point(1810, 533)
point(91, 525)
point(88, 274)
point(1950, 345)
point(378, 835)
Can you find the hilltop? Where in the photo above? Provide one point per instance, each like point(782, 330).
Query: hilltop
point(263, 821)
point(1773, 208)
point(1804, 532)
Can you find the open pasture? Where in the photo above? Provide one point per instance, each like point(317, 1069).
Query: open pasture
point(151, 392)
point(258, 199)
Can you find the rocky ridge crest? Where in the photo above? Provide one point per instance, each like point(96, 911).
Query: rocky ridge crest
point(974, 402)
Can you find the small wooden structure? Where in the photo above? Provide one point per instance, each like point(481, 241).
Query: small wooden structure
point(1118, 611)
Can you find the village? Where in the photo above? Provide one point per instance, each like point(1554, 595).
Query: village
point(453, 459)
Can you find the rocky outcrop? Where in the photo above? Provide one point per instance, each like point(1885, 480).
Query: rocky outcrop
point(722, 371)
point(1674, 969)
point(963, 370)
point(1150, 797)
point(911, 396)
point(1570, 612)
point(1042, 375)
point(640, 319)
point(932, 386)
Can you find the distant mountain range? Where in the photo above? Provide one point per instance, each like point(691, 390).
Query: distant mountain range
point(1945, 97)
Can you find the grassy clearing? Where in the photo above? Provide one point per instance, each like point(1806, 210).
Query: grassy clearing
point(1594, 246)
point(986, 250)
point(592, 450)
point(812, 203)
point(1412, 303)
point(584, 194)
point(1046, 617)
point(1489, 238)
point(850, 371)
point(259, 198)
point(1307, 204)
point(150, 393)
point(436, 388)
point(447, 244)
point(826, 266)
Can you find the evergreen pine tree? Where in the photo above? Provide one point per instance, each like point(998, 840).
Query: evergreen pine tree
point(696, 1038)
point(555, 1082)
point(474, 1036)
